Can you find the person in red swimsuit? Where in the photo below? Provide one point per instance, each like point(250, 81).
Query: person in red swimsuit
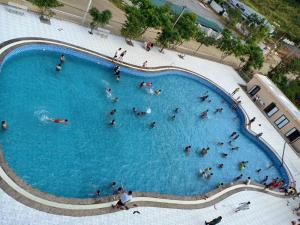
point(63, 121)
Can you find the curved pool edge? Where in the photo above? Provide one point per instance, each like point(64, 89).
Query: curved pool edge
point(18, 189)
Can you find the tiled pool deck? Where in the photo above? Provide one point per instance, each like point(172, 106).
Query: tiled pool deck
point(12, 212)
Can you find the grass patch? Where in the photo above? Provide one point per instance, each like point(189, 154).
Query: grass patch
point(286, 13)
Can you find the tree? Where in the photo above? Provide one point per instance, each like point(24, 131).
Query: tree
point(235, 16)
point(168, 36)
point(186, 27)
point(201, 38)
point(258, 31)
point(141, 16)
point(255, 58)
point(227, 44)
point(133, 26)
point(99, 18)
point(45, 7)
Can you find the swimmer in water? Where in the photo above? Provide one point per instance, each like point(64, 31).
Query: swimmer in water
point(157, 92)
point(113, 123)
point(61, 121)
point(149, 84)
point(173, 117)
point(177, 110)
point(239, 177)
point(220, 143)
point(224, 155)
point(4, 125)
point(62, 58)
point(221, 165)
point(116, 69)
point(112, 112)
point(115, 100)
point(118, 77)
point(143, 84)
point(235, 148)
point(203, 115)
point(152, 125)
point(108, 90)
point(204, 151)
point(58, 67)
point(188, 148)
point(218, 110)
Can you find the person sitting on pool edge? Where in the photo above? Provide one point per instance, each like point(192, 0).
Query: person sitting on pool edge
point(4, 125)
point(125, 198)
point(62, 121)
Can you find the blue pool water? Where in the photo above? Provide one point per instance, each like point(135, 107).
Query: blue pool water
point(76, 159)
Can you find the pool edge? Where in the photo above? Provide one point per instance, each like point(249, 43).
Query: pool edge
point(18, 189)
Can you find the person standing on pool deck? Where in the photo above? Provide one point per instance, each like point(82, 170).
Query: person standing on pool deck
point(122, 55)
point(117, 53)
point(62, 121)
point(214, 221)
point(145, 64)
point(242, 206)
point(124, 199)
point(235, 91)
point(251, 121)
point(4, 125)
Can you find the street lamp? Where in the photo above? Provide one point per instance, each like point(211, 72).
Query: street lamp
point(283, 153)
point(183, 8)
point(86, 11)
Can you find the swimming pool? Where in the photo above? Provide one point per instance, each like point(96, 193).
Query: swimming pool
point(75, 160)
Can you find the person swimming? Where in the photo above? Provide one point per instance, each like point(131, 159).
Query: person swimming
point(203, 98)
point(115, 100)
point(4, 125)
point(62, 58)
point(221, 165)
point(112, 112)
point(113, 123)
point(176, 110)
point(218, 110)
point(188, 148)
point(58, 67)
point(173, 117)
point(243, 165)
point(236, 137)
point(233, 134)
point(204, 151)
point(116, 70)
point(149, 84)
point(203, 115)
point(224, 155)
point(61, 121)
point(152, 124)
point(220, 143)
point(219, 185)
point(118, 77)
point(142, 84)
point(235, 148)
point(238, 177)
point(157, 92)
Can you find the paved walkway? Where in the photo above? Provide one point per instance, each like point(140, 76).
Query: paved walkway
point(265, 210)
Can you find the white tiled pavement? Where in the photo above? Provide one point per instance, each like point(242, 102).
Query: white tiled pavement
point(264, 210)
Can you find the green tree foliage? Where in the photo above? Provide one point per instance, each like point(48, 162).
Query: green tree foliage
point(235, 16)
point(201, 38)
point(45, 6)
point(258, 31)
point(255, 58)
point(286, 13)
point(227, 44)
point(291, 88)
point(141, 16)
point(99, 18)
point(184, 30)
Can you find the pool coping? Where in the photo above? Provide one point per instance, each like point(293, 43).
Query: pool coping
point(21, 191)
